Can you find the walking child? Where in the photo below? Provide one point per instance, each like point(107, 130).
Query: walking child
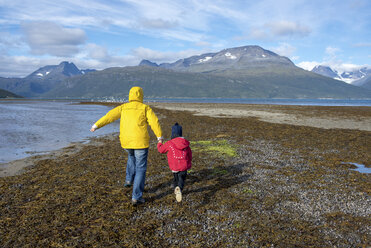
point(179, 156)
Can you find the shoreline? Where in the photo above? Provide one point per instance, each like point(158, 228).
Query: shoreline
point(281, 114)
point(359, 118)
point(19, 166)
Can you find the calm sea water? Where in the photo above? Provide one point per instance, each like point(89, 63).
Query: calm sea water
point(35, 127)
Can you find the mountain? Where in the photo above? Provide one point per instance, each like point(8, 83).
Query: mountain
point(354, 77)
point(8, 94)
point(163, 82)
point(365, 82)
point(325, 71)
point(145, 62)
point(42, 80)
point(85, 71)
point(238, 58)
point(65, 69)
point(240, 72)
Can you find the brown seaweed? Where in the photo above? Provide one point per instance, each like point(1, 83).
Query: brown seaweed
point(288, 186)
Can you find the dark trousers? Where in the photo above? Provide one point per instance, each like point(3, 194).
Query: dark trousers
point(179, 179)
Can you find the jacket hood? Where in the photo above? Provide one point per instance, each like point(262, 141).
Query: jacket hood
point(136, 94)
point(180, 143)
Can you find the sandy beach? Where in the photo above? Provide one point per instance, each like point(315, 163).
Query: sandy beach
point(313, 116)
point(262, 176)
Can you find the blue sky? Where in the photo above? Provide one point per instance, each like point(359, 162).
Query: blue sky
point(101, 34)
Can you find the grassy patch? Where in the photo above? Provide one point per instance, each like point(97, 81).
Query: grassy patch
point(220, 148)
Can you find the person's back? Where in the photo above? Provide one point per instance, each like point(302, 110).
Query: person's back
point(135, 118)
point(179, 156)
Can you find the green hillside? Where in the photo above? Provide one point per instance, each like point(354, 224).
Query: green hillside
point(272, 82)
point(8, 94)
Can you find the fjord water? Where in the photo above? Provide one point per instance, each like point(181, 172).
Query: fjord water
point(35, 127)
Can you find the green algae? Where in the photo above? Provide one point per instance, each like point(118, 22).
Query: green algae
point(218, 147)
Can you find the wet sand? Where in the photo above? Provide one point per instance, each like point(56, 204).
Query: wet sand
point(286, 186)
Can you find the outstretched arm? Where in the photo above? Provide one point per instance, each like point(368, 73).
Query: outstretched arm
point(110, 117)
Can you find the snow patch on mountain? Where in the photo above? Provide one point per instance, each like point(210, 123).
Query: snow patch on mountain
point(230, 56)
point(350, 76)
point(204, 59)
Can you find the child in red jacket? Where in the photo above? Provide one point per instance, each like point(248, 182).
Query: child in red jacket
point(179, 156)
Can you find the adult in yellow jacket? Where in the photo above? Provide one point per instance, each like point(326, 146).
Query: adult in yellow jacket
point(135, 118)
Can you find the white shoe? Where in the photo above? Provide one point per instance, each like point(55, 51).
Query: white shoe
point(178, 194)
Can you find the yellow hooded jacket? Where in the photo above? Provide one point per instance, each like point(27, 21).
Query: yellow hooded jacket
point(135, 117)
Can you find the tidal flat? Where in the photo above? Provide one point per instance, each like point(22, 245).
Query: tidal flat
point(254, 182)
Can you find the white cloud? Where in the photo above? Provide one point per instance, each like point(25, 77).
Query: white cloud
point(96, 52)
point(331, 52)
point(160, 57)
point(53, 39)
point(258, 33)
point(284, 49)
point(338, 66)
point(287, 28)
point(203, 44)
point(308, 65)
point(10, 41)
point(342, 67)
point(158, 23)
point(277, 30)
point(69, 23)
point(21, 66)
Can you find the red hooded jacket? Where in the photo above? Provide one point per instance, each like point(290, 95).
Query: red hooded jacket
point(179, 154)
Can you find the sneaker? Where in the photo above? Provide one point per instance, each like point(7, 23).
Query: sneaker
point(178, 194)
point(137, 202)
point(127, 184)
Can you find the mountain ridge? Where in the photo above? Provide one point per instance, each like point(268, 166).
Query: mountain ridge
point(355, 77)
point(231, 58)
point(240, 72)
point(162, 82)
point(42, 80)
point(8, 94)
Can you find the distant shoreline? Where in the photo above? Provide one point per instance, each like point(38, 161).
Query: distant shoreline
point(326, 117)
point(254, 101)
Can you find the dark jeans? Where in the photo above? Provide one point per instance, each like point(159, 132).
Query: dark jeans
point(179, 179)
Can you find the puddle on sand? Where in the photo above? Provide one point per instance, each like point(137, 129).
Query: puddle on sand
point(360, 168)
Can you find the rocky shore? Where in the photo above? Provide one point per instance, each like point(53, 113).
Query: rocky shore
point(257, 180)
